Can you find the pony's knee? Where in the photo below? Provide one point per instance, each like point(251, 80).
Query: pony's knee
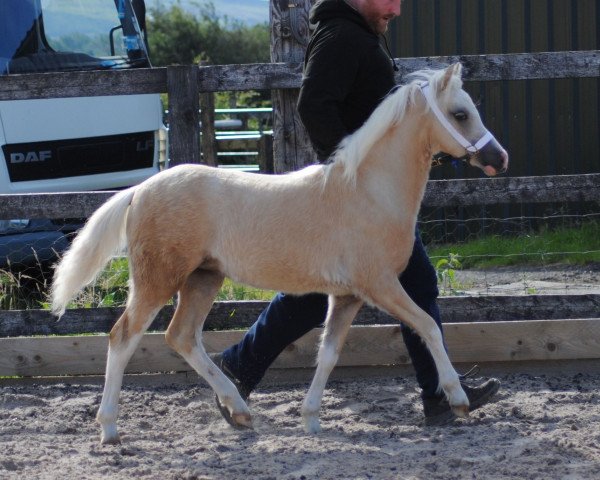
point(119, 333)
point(178, 342)
point(129, 326)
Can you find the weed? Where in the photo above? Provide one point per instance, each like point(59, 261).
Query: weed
point(445, 269)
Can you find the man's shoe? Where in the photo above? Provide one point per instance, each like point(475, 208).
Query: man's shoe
point(437, 409)
point(243, 390)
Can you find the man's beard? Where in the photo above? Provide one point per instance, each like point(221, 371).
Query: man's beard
point(378, 25)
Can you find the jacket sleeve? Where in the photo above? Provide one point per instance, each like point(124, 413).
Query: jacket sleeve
point(330, 69)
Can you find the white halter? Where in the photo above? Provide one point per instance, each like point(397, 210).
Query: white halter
point(471, 149)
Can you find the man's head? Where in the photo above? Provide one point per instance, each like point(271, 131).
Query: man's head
point(377, 13)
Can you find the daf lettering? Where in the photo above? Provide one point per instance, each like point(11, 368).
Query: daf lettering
point(144, 146)
point(27, 157)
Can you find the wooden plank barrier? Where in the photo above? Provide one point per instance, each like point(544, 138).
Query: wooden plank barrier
point(364, 346)
point(273, 76)
point(242, 314)
point(439, 193)
point(477, 329)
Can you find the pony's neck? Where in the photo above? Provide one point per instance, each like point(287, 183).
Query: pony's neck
point(387, 160)
point(396, 171)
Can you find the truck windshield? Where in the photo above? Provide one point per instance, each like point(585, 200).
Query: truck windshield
point(63, 35)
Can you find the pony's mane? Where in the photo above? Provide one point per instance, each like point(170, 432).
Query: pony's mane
point(355, 147)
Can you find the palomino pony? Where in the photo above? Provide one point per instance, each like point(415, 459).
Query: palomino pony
point(345, 229)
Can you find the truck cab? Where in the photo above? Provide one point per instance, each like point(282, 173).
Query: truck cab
point(71, 144)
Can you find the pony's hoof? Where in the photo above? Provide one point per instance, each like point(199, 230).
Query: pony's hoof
point(242, 421)
point(461, 410)
point(110, 435)
point(312, 425)
point(110, 440)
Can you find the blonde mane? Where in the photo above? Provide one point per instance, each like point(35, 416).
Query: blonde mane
point(353, 149)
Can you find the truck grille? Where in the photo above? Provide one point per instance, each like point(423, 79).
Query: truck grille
point(82, 156)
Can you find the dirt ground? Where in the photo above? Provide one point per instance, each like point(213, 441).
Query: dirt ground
point(541, 426)
point(530, 280)
point(544, 424)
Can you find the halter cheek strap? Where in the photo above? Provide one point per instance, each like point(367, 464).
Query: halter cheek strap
point(487, 137)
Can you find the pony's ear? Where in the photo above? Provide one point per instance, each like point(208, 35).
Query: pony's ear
point(452, 70)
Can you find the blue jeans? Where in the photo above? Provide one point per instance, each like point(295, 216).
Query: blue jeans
point(289, 317)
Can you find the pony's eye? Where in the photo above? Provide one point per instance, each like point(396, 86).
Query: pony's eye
point(460, 116)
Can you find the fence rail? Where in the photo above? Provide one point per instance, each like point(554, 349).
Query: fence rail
point(271, 76)
point(439, 193)
point(242, 314)
point(186, 85)
point(365, 345)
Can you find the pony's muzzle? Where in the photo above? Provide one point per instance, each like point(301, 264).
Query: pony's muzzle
point(493, 159)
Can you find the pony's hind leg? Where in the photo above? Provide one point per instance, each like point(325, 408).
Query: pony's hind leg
point(184, 335)
point(391, 298)
point(340, 315)
point(124, 338)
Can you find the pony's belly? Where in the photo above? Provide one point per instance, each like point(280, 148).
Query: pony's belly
point(281, 278)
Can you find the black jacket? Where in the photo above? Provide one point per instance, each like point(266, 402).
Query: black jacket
point(346, 74)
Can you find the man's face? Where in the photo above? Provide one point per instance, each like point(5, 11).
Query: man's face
point(378, 13)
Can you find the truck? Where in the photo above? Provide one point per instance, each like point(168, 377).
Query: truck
point(71, 144)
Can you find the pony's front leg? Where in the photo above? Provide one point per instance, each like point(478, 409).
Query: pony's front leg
point(391, 298)
point(341, 312)
point(195, 354)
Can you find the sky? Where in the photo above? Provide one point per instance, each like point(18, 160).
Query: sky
point(248, 11)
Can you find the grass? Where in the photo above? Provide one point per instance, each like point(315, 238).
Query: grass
point(19, 291)
point(111, 290)
point(235, 291)
point(574, 246)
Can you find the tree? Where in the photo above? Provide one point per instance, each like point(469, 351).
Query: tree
point(176, 36)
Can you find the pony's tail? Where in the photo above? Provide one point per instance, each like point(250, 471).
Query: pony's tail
point(102, 236)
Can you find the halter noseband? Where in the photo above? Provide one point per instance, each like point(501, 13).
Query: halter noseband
point(468, 146)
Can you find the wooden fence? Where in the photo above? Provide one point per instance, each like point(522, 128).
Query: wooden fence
point(477, 329)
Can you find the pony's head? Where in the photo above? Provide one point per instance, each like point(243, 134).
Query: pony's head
point(454, 126)
point(457, 129)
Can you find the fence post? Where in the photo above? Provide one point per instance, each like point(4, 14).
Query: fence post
point(208, 139)
point(265, 154)
point(184, 116)
point(289, 36)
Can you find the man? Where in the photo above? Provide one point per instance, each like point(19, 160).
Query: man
point(346, 74)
